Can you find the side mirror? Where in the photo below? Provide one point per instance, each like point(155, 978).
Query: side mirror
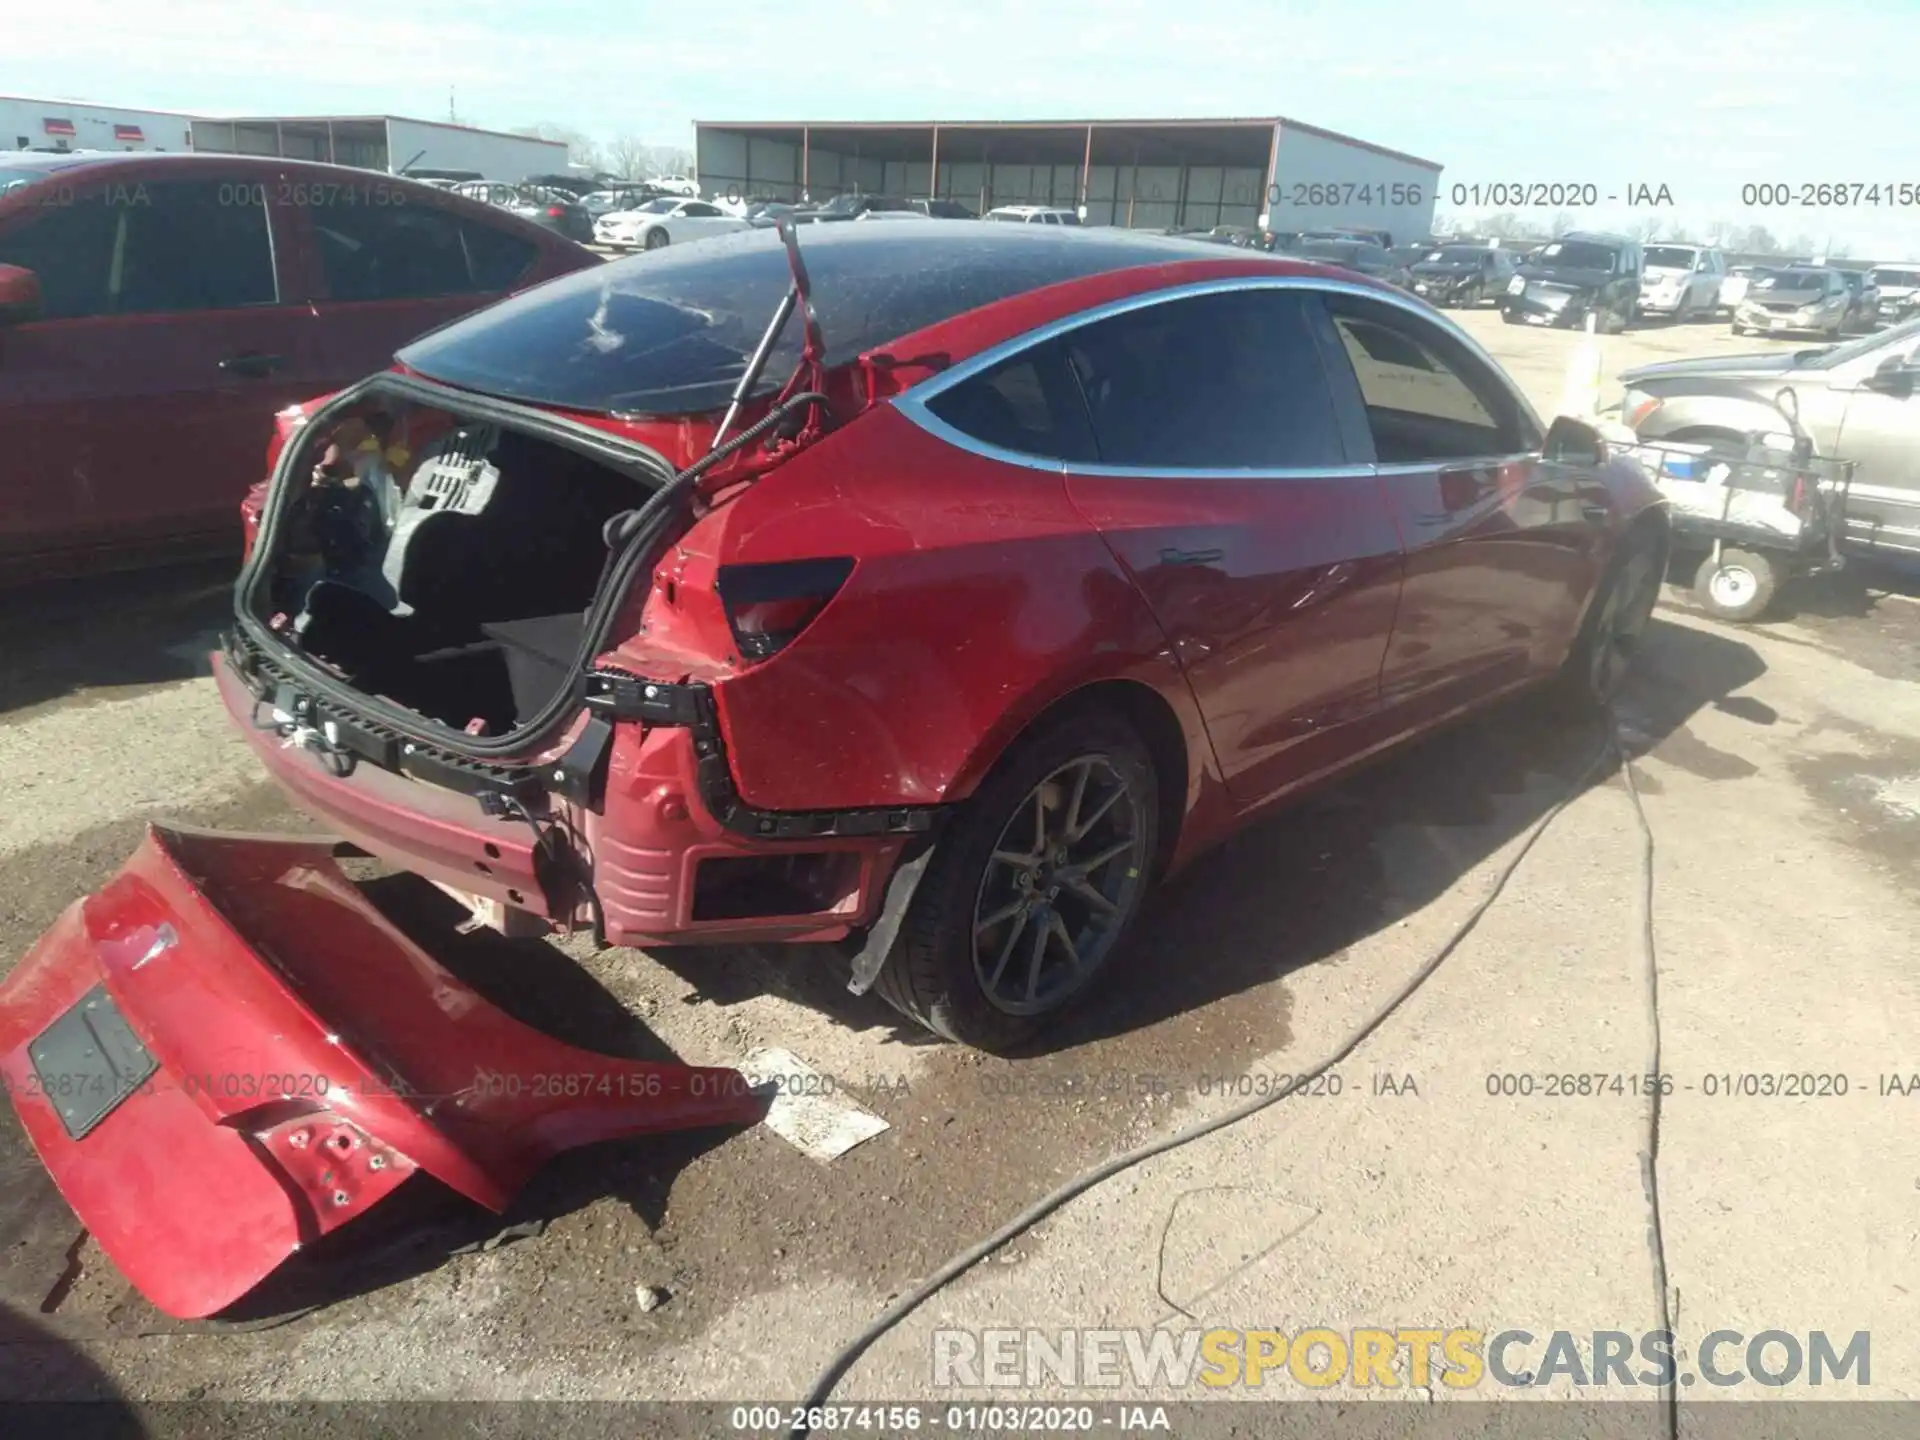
point(19, 295)
point(1892, 376)
point(1573, 442)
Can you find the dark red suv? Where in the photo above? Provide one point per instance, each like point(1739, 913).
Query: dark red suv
point(932, 588)
point(155, 310)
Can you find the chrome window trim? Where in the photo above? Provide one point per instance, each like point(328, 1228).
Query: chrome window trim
point(913, 402)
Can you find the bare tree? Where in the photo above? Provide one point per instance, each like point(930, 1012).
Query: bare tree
point(669, 159)
point(627, 157)
point(581, 149)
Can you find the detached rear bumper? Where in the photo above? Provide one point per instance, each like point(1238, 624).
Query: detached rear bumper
point(228, 1052)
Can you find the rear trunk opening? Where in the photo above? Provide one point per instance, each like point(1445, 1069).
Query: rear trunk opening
point(441, 557)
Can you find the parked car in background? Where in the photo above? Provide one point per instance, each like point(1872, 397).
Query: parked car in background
point(855, 207)
point(766, 213)
point(1381, 238)
point(684, 185)
point(814, 715)
point(1798, 299)
point(942, 209)
point(555, 210)
point(601, 202)
point(1033, 215)
point(1863, 298)
point(1857, 402)
point(1681, 282)
point(574, 187)
point(1739, 279)
point(1899, 289)
point(1462, 275)
point(440, 178)
point(1362, 256)
point(1580, 274)
point(664, 220)
point(145, 347)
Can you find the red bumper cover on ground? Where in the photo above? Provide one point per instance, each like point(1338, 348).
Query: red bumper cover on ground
point(229, 1052)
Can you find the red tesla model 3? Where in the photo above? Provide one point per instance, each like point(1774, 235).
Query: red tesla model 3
point(929, 593)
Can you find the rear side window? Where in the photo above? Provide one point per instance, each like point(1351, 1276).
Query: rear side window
point(411, 252)
point(143, 248)
point(1029, 404)
point(1230, 380)
point(1427, 397)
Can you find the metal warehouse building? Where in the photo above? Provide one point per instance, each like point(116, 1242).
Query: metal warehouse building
point(384, 142)
point(372, 142)
point(1148, 174)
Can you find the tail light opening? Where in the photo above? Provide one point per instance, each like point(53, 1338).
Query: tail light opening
point(768, 606)
point(555, 211)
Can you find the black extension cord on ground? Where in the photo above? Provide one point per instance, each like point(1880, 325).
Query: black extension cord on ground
point(843, 1361)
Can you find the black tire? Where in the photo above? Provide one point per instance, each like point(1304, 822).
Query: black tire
point(1738, 328)
point(657, 239)
point(961, 911)
point(1471, 297)
point(1509, 317)
point(1738, 587)
point(1616, 620)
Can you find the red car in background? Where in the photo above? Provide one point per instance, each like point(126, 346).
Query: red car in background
point(156, 310)
point(1059, 555)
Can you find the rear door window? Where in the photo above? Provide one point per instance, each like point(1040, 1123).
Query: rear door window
point(1427, 397)
point(414, 251)
point(144, 248)
point(1228, 380)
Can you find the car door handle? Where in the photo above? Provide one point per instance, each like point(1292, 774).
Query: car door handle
point(1599, 514)
point(1192, 557)
point(252, 364)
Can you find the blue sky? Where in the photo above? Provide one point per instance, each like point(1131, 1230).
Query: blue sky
point(1701, 97)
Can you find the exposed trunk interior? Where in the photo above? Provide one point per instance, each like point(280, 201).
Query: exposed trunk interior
point(443, 564)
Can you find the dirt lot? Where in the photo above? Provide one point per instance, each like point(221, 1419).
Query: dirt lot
point(1780, 767)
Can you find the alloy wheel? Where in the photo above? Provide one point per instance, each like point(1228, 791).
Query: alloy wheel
point(1057, 886)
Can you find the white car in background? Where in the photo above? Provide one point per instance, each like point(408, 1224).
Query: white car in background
point(1681, 281)
point(1033, 215)
point(665, 220)
point(1739, 280)
point(677, 185)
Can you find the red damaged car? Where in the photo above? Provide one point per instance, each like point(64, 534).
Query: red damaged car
point(1028, 565)
point(155, 310)
point(929, 593)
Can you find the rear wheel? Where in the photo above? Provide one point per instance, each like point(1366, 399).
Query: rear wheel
point(1738, 586)
point(1031, 887)
point(1609, 638)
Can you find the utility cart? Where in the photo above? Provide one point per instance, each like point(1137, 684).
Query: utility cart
point(1756, 514)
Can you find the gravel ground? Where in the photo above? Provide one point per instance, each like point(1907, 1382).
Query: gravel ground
point(1780, 768)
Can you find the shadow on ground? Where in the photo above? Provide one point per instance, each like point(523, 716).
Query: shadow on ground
point(111, 632)
point(1330, 869)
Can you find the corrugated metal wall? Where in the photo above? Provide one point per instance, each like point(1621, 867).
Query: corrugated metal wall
point(1143, 196)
